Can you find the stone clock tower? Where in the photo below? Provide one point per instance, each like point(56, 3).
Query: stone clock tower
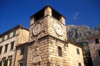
point(47, 39)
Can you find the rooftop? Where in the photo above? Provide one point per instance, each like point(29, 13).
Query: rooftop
point(12, 29)
point(92, 37)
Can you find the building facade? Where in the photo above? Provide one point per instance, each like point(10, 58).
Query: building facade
point(94, 45)
point(21, 55)
point(49, 45)
point(8, 42)
point(44, 44)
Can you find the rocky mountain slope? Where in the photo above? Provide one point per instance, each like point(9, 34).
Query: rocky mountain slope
point(78, 34)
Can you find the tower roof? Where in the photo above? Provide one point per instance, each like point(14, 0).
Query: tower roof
point(42, 12)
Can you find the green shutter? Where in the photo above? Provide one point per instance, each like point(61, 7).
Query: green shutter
point(8, 35)
point(6, 62)
point(3, 38)
point(14, 33)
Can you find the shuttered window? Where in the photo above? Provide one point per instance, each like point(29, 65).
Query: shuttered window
point(8, 35)
point(14, 33)
point(3, 38)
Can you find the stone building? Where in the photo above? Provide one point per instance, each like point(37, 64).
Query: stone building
point(94, 45)
point(8, 42)
point(48, 43)
point(21, 55)
point(44, 44)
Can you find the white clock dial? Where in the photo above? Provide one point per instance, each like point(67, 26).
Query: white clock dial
point(37, 28)
point(58, 28)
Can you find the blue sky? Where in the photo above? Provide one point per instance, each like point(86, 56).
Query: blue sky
point(77, 12)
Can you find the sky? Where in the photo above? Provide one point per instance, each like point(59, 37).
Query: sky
point(77, 12)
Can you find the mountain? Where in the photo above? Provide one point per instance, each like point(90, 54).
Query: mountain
point(78, 34)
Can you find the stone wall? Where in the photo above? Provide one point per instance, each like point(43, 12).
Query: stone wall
point(42, 52)
point(54, 58)
point(75, 58)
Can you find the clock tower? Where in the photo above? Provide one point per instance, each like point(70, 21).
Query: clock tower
point(47, 39)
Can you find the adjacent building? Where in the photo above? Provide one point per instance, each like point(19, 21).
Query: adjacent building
point(8, 42)
point(21, 55)
point(94, 45)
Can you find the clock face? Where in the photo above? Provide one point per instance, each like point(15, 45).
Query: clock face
point(58, 28)
point(37, 28)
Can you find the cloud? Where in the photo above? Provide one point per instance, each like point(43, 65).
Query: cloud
point(74, 17)
point(76, 14)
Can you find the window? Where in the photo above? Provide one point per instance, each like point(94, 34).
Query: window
point(6, 46)
point(79, 64)
point(8, 35)
point(99, 52)
point(97, 41)
point(3, 38)
point(78, 51)
point(14, 33)
point(20, 64)
point(10, 61)
point(12, 45)
point(22, 51)
point(5, 62)
point(59, 51)
point(0, 50)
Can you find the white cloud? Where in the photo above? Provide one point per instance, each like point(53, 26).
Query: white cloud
point(76, 14)
point(74, 17)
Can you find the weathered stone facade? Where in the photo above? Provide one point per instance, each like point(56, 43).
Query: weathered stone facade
point(47, 48)
point(43, 48)
point(21, 36)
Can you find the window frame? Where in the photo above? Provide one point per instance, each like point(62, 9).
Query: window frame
point(79, 64)
point(12, 45)
point(1, 49)
point(6, 47)
point(60, 51)
point(22, 51)
point(78, 52)
point(10, 62)
point(96, 41)
point(20, 63)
